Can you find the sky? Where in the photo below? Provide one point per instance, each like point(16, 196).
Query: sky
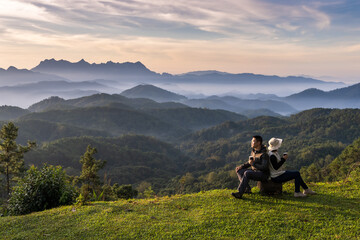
point(281, 37)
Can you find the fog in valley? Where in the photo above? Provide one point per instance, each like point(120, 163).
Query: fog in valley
point(281, 95)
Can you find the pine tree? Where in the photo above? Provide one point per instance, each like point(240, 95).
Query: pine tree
point(89, 174)
point(11, 154)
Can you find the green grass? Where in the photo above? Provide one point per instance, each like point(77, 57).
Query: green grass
point(332, 214)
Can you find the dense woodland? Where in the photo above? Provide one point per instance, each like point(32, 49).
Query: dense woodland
point(170, 149)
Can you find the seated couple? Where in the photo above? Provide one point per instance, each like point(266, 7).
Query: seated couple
point(267, 165)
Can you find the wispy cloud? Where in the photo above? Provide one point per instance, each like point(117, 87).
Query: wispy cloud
point(185, 33)
point(200, 19)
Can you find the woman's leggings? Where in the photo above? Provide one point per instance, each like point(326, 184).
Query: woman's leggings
point(290, 175)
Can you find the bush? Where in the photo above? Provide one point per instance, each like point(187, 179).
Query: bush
point(124, 191)
point(41, 189)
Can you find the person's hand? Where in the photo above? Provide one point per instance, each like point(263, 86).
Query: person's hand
point(237, 169)
point(251, 160)
point(285, 156)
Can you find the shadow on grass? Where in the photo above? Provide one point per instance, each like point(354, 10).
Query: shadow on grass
point(321, 203)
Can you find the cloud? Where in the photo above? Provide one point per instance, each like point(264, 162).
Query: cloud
point(198, 19)
point(271, 35)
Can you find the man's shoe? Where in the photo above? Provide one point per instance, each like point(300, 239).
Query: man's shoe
point(237, 195)
point(309, 192)
point(248, 190)
point(299, 194)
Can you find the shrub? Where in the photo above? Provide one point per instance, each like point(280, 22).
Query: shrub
point(41, 189)
point(124, 191)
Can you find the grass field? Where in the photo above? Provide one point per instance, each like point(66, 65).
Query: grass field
point(332, 214)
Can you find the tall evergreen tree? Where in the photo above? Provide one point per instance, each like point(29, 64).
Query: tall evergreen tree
point(89, 174)
point(11, 153)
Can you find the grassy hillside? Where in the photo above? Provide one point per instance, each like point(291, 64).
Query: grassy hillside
point(332, 214)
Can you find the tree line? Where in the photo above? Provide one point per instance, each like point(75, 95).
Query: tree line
point(40, 188)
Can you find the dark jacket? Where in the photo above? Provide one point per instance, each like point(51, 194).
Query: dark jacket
point(261, 162)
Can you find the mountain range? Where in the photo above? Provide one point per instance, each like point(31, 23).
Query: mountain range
point(244, 93)
point(147, 96)
point(152, 92)
point(51, 69)
point(271, 105)
point(348, 97)
point(110, 115)
point(13, 76)
point(83, 70)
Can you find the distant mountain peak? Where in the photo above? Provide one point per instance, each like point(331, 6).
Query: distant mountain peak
point(83, 70)
point(139, 63)
point(12, 68)
point(15, 70)
point(308, 93)
point(350, 92)
point(83, 62)
point(206, 72)
point(152, 92)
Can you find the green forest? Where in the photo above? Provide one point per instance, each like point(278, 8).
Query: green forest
point(166, 149)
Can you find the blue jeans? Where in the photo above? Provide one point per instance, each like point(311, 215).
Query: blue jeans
point(245, 175)
point(290, 175)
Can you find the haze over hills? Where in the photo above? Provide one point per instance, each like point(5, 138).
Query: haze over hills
point(13, 76)
point(351, 92)
point(228, 103)
point(83, 70)
point(348, 97)
point(111, 115)
point(23, 94)
point(200, 81)
point(51, 69)
point(246, 92)
point(152, 92)
point(101, 100)
point(146, 96)
point(54, 86)
point(9, 112)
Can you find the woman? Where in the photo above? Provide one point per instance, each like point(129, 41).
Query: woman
point(279, 175)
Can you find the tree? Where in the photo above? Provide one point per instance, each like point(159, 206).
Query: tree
point(124, 191)
point(41, 189)
point(11, 154)
point(89, 174)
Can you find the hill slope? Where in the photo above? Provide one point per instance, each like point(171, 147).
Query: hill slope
point(10, 112)
point(13, 76)
point(152, 92)
point(99, 100)
point(308, 136)
point(131, 159)
point(112, 120)
point(339, 168)
point(347, 97)
point(332, 214)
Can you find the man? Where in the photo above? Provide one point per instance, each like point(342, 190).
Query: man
point(259, 163)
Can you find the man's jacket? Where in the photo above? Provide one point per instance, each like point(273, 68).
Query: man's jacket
point(261, 162)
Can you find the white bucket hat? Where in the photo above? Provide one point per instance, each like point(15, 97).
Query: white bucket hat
point(274, 144)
